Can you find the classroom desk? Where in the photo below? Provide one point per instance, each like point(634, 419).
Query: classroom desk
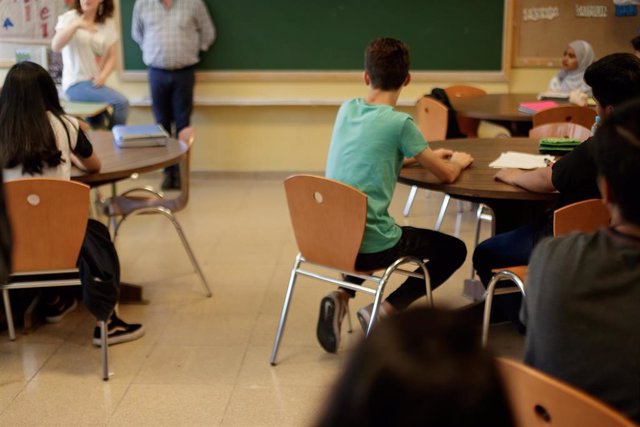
point(84, 109)
point(119, 163)
point(512, 206)
point(495, 106)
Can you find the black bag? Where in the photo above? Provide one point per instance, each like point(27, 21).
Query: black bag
point(99, 271)
point(453, 131)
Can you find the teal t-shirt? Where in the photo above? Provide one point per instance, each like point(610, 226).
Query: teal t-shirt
point(368, 146)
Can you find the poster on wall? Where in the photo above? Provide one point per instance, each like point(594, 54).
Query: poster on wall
point(30, 19)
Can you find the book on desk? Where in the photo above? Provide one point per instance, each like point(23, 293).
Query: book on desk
point(536, 106)
point(127, 136)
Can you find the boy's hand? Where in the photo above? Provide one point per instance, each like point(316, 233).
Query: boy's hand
point(443, 153)
point(463, 160)
point(508, 175)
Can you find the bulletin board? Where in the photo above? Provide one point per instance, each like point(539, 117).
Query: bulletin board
point(27, 26)
point(543, 28)
point(30, 20)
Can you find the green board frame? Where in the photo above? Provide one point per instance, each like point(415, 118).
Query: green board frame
point(330, 35)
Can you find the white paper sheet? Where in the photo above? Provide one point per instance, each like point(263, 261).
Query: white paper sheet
point(514, 159)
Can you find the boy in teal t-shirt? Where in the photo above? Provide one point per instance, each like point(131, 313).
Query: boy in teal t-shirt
point(369, 144)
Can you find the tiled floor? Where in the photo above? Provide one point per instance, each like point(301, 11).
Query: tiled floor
point(203, 361)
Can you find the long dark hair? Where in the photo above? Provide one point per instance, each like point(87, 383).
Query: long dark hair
point(105, 10)
point(26, 135)
point(419, 368)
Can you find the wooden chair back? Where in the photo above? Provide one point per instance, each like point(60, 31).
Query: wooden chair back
point(584, 116)
point(560, 130)
point(48, 222)
point(586, 216)
point(538, 400)
point(187, 136)
point(431, 118)
point(328, 219)
point(467, 125)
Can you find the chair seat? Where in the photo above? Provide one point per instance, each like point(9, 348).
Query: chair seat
point(125, 205)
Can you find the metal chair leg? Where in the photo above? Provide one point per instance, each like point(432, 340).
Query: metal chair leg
point(412, 196)
point(491, 289)
point(103, 349)
point(167, 213)
point(285, 309)
point(9, 313)
point(191, 255)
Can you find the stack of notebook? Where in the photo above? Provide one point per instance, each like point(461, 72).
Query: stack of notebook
point(557, 146)
point(139, 135)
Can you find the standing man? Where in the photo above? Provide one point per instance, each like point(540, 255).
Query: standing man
point(171, 34)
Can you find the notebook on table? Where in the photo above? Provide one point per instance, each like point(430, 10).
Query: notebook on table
point(536, 106)
point(139, 135)
point(557, 145)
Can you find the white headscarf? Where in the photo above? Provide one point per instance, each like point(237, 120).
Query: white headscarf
point(567, 81)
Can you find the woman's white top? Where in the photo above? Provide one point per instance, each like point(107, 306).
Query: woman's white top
point(79, 55)
point(65, 144)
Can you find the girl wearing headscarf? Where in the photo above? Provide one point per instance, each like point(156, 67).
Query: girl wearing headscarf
point(575, 60)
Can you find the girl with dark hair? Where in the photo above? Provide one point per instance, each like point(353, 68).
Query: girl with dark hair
point(37, 139)
point(86, 35)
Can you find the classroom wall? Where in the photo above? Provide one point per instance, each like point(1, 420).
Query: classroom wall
point(288, 138)
point(250, 139)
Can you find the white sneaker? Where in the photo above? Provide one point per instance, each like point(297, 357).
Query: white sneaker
point(364, 316)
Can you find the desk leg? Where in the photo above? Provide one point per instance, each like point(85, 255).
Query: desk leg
point(132, 294)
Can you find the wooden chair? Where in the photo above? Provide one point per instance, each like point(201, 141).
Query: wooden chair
point(328, 220)
point(538, 399)
point(586, 216)
point(431, 118)
point(145, 201)
point(584, 116)
point(48, 223)
point(467, 125)
point(560, 130)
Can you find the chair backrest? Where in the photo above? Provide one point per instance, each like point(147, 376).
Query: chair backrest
point(187, 136)
point(467, 125)
point(48, 222)
point(328, 219)
point(584, 116)
point(431, 118)
point(586, 216)
point(538, 399)
point(561, 130)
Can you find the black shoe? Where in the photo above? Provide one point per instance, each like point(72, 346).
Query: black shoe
point(53, 313)
point(118, 331)
point(171, 181)
point(332, 310)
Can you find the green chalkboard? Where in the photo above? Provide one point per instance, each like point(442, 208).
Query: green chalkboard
point(318, 35)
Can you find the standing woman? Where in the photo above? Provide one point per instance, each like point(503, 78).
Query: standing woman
point(86, 35)
point(576, 58)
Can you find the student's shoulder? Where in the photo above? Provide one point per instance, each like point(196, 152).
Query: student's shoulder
point(69, 15)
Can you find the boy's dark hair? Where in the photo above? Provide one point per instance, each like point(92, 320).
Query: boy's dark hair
point(618, 158)
point(387, 62)
point(614, 79)
point(105, 10)
point(635, 42)
point(422, 367)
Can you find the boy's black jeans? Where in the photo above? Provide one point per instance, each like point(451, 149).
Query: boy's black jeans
point(445, 255)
